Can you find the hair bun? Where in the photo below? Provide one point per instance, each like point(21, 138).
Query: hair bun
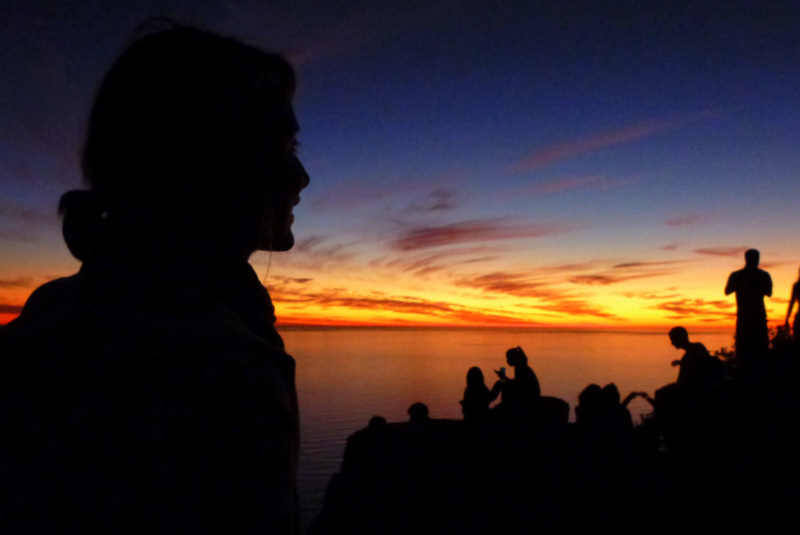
point(83, 224)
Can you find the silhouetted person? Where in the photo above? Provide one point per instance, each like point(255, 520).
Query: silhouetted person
point(600, 411)
point(477, 396)
point(697, 367)
point(418, 412)
point(377, 422)
point(520, 394)
point(795, 298)
point(150, 392)
point(686, 412)
point(751, 285)
point(590, 402)
point(618, 412)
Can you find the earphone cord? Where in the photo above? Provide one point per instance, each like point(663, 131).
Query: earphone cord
point(266, 273)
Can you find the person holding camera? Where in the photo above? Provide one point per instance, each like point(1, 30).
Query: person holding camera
point(520, 394)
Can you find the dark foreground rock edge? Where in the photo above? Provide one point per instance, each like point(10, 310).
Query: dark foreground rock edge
point(732, 462)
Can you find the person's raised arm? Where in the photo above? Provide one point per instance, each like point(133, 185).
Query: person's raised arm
point(495, 391)
point(729, 289)
point(628, 399)
point(645, 396)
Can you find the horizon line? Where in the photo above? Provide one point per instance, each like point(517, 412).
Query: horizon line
point(648, 329)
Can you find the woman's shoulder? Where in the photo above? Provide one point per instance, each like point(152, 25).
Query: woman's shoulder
point(130, 313)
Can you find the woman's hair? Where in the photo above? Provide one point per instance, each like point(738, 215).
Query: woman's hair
point(475, 377)
point(516, 356)
point(592, 395)
point(610, 394)
point(180, 150)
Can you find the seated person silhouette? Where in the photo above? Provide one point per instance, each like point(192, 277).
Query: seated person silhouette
point(698, 369)
point(520, 394)
point(590, 402)
point(751, 285)
point(477, 397)
point(601, 408)
point(151, 392)
point(685, 412)
point(618, 414)
point(418, 413)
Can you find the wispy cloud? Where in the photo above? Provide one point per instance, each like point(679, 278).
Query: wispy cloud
point(320, 248)
point(518, 284)
point(624, 271)
point(601, 140)
point(558, 185)
point(549, 297)
point(16, 234)
point(20, 282)
point(424, 237)
point(671, 246)
point(577, 307)
point(438, 200)
point(699, 309)
point(353, 193)
point(686, 220)
point(290, 280)
point(600, 279)
point(22, 213)
point(733, 252)
point(309, 256)
point(425, 263)
point(644, 265)
point(21, 223)
point(380, 304)
point(653, 296)
point(10, 309)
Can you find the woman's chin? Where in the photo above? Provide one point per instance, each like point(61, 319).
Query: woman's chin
point(282, 242)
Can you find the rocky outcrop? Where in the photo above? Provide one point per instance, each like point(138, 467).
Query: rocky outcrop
point(543, 475)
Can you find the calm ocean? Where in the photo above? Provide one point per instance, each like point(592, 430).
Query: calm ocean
point(346, 376)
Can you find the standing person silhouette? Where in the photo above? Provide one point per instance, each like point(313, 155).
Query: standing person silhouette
point(795, 298)
point(150, 392)
point(750, 284)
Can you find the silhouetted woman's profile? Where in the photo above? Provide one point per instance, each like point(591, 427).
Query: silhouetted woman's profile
point(150, 392)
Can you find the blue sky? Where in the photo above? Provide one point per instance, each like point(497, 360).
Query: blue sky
point(603, 154)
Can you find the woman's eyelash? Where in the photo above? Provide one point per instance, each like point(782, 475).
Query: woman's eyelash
point(294, 145)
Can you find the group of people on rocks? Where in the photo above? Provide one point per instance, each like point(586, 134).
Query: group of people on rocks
point(721, 429)
point(699, 376)
point(700, 372)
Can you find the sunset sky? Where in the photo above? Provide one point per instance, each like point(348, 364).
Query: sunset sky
point(472, 163)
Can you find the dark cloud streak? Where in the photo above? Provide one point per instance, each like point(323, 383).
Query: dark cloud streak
point(732, 252)
point(424, 237)
point(10, 309)
point(20, 282)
